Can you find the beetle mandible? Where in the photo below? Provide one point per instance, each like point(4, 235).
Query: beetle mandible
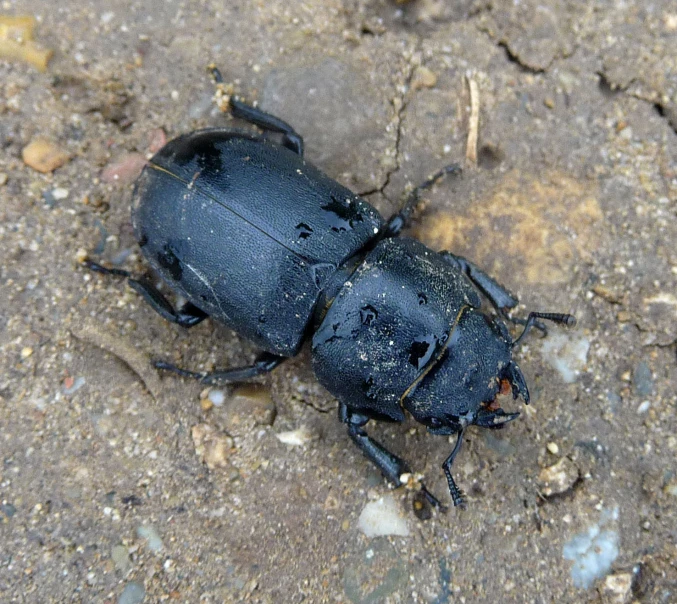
point(252, 235)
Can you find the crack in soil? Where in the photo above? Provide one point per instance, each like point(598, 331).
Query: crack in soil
point(513, 57)
point(403, 104)
point(662, 109)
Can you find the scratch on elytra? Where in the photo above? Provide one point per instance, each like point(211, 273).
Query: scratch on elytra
point(209, 287)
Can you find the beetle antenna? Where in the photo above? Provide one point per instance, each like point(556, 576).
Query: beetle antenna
point(561, 318)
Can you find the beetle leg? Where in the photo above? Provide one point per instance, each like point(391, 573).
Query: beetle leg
point(391, 466)
point(264, 363)
point(291, 139)
point(495, 419)
point(456, 493)
point(399, 220)
point(496, 293)
point(187, 316)
point(499, 296)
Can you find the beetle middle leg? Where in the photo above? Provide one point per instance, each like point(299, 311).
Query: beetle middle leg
point(399, 220)
point(264, 363)
point(187, 316)
point(291, 139)
point(391, 466)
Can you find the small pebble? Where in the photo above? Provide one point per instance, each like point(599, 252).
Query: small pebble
point(558, 478)
point(43, 155)
point(7, 509)
point(643, 407)
point(626, 133)
point(3, 179)
point(297, 438)
point(553, 448)
point(212, 447)
point(256, 400)
point(616, 589)
point(81, 255)
point(120, 557)
point(670, 489)
point(133, 593)
point(567, 353)
point(423, 78)
point(217, 397)
point(72, 385)
point(150, 534)
point(26, 352)
point(382, 517)
point(60, 193)
point(594, 550)
point(125, 169)
point(642, 379)
point(158, 139)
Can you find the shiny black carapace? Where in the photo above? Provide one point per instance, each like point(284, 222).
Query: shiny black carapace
point(252, 235)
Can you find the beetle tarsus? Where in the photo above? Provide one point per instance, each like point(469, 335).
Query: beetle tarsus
point(457, 495)
point(432, 500)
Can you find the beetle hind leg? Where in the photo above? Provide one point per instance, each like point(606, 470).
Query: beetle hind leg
point(187, 316)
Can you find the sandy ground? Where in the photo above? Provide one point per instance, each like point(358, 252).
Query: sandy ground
point(118, 484)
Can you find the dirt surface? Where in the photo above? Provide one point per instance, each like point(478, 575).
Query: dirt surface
point(121, 485)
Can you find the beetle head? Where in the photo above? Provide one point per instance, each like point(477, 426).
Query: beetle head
point(461, 388)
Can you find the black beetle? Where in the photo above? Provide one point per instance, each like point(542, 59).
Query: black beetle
point(255, 237)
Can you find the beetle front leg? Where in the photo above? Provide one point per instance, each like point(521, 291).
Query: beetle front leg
point(499, 296)
point(187, 316)
point(496, 293)
point(399, 220)
point(456, 494)
point(291, 139)
point(391, 466)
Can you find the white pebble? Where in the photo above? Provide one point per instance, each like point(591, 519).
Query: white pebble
point(643, 407)
point(217, 397)
point(382, 517)
point(297, 437)
point(60, 193)
point(553, 448)
point(567, 353)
